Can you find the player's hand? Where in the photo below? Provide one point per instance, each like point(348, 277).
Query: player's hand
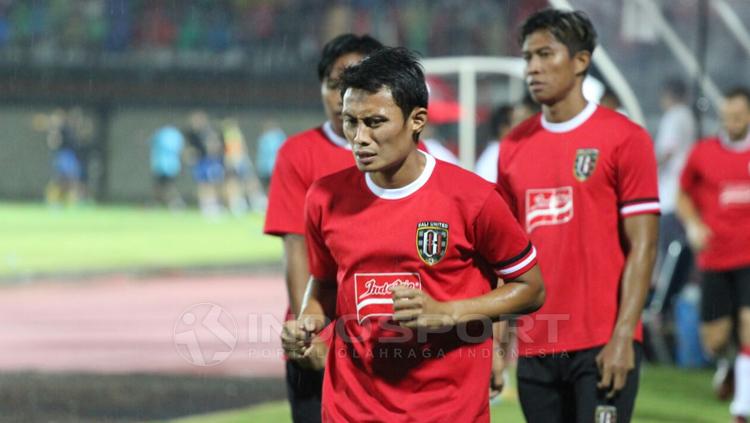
point(698, 235)
point(497, 380)
point(315, 356)
point(615, 361)
point(415, 309)
point(297, 336)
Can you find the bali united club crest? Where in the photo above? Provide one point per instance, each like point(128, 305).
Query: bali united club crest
point(585, 163)
point(432, 241)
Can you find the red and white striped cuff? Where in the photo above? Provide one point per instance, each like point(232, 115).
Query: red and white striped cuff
point(518, 265)
point(642, 206)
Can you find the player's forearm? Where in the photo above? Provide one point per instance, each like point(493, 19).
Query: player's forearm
point(296, 270)
point(319, 301)
point(523, 295)
point(686, 210)
point(641, 232)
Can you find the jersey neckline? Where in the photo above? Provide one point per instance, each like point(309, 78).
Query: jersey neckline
point(734, 146)
point(573, 123)
point(406, 190)
point(334, 138)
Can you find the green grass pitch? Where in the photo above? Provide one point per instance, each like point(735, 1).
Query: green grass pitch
point(666, 395)
point(37, 240)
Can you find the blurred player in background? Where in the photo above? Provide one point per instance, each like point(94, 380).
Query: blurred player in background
point(582, 180)
point(503, 119)
point(65, 186)
point(303, 159)
point(167, 145)
point(714, 205)
point(412, 338)
point(242, 188)
point(207, 155)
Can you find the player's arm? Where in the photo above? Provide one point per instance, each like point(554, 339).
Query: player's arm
point(296, 271)
point(617, 358)
point(318, 307)
point(522, 294)
point(696, 230)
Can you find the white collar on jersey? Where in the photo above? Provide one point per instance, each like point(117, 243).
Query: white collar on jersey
point(736, 146)
point(334, 137)
point(407, 190)
point(573, 123)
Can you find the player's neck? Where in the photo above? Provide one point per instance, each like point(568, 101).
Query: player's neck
point(401, 174)
point(565, 109)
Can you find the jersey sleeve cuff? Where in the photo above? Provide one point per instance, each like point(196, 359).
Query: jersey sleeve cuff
point(641, 206)
point(518, 265)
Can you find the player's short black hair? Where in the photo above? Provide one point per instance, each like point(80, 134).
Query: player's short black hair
point(743, 92)
point(675, 87)
point(395, 68)
point(342, 45)
point(570, 27)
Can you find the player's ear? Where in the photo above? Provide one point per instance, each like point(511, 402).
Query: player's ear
point(582, 61)
point(418, 119)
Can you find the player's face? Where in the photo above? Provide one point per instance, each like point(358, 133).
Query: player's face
point(551, 72)
point(330, 93)
point(380, 136)
point(735, 117)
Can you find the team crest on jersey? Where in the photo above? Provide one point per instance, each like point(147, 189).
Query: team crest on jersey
point(585, 163)
point(605, 414)
point(432, 241)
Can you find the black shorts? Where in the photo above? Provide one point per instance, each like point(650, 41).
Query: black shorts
point(723, 293)
point(304, 388)
point(561, 388)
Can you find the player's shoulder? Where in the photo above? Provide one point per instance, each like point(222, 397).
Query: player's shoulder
point(303, 142)
point(460, 183)
point(524, 130)
point(706, 145)
point(336, 182)
point(617, 123)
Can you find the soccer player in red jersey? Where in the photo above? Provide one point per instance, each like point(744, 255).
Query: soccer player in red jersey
point(303, 159)
point(714, 205)
point(581, 179)
point(405, 254)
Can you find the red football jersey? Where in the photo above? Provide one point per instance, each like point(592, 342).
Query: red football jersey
point(717, 179)
point(447, 233)
point(302, 159)
point(570, 184)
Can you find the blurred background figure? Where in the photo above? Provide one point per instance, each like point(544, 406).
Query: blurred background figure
point(207, 158)
point(65, 186)
point(714, 205)
point(504, 118)
point(269, 142)
point(242, 188)
point(167, 146)
point(675, 136)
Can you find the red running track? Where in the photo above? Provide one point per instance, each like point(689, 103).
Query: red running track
point(208, 325)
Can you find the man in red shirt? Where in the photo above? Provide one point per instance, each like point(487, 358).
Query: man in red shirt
point(714, 205)
point(582, 181)
point(405, 253)
point(303, 159)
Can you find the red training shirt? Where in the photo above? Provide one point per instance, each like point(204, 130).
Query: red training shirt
point(447, 233)
point(717, 179)
point(570, 185)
